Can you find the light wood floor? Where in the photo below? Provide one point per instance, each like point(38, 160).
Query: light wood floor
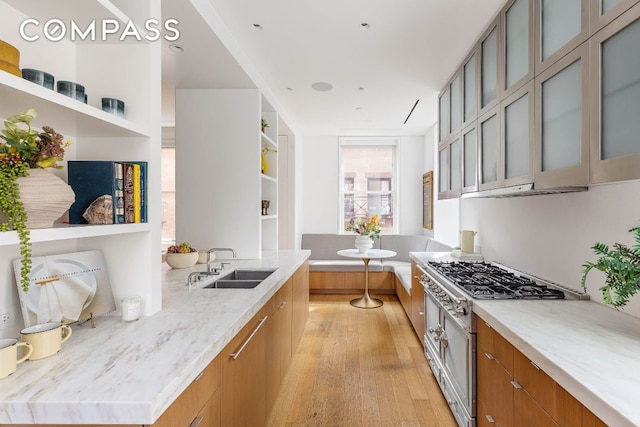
point(359, 367)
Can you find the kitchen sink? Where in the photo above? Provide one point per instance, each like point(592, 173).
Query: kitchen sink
point(233, 284)
point(241, 279)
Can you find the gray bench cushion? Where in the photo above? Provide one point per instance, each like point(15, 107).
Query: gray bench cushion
point(402, 245)
point(326, 246)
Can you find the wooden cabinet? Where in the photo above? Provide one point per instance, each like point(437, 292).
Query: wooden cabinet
point(244, 375)
point(278, 349)
point(513, 390)
point(417, 302)
point(300, 298)
point(200, 399)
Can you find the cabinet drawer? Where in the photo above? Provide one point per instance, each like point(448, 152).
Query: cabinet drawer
point(495, 344)
point(527, 412)
point(495, 390)
point(536, 382)
point(192, 400)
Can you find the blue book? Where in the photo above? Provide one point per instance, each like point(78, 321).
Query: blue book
point(91, 179)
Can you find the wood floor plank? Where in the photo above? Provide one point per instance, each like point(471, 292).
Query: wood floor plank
point(359, 367)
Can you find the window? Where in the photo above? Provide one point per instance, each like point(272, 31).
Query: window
point(367, 174)
point(168, 190)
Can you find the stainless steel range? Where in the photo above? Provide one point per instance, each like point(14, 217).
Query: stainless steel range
point(450, 331)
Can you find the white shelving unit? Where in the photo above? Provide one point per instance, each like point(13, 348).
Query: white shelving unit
point(219, 205)
point(129, 71)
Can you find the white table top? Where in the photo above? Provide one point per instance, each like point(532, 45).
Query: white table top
point(371, 253)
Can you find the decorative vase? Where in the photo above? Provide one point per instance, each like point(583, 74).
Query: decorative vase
point(265, 165)
point(363, 243)
point(45, 197)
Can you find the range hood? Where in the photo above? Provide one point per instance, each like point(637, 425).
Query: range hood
point(522, 190)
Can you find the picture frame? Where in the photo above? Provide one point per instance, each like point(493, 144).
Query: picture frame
point(427, 200)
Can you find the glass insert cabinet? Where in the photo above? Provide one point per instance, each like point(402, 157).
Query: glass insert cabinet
point(546, 96)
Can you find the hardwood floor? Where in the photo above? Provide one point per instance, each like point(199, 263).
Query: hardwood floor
point(359, 367)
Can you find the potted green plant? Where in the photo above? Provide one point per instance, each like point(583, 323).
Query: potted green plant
point(23, 150)
point(263, 124)
point(622, 268)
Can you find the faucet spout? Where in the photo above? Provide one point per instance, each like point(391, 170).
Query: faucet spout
point(233, 252)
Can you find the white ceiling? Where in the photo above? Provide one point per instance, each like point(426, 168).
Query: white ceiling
point(408, 53)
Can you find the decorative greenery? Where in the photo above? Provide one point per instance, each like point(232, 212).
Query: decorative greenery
point(370, 227)
point(263, 123)
point(182, 248)
point(24, 148)
point(622, 267)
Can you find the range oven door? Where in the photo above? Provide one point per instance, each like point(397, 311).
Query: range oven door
point(457, 350)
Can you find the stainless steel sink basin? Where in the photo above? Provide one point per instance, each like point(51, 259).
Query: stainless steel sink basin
point(241, 279)
point(246, 274)
point(233, 284)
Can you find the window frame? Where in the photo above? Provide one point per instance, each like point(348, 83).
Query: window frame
point(365, 142)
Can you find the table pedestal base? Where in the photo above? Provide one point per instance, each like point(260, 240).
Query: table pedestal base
point(366, 302)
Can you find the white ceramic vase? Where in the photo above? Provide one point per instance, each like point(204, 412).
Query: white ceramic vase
point(363, 243)
point(45, 197)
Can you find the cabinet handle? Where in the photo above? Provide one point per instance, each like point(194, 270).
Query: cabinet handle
point(516, 385)
point(487, 325)
point(535, 366)
point(235, 355)
point(199, 376)
point(489, 356)
point(490, 419)
point(196, 421)
point(282, 304)
point(421, 313)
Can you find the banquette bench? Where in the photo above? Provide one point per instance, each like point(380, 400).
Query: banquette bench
point(331, 273)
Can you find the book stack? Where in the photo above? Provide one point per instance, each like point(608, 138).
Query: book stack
point(124, 182)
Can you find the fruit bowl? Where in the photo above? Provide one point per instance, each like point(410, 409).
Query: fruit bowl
point(178, 260)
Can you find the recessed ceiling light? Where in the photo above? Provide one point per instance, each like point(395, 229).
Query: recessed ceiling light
point(176, 48)
point(364, 26)
point(358, 108)
point(360, 89)
point(322, 86)
point(257, 27)
point(290, 89)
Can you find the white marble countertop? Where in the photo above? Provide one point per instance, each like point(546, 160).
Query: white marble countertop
point(129, 373)
point(591, 350)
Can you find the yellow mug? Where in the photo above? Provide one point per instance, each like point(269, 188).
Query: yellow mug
point(9, 355)
point(45, 338)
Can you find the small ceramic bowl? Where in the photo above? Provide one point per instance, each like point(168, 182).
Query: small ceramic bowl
point(38, 77)
point(113, 106)
point(9, 54)
point(182, 260)
point(9, 68)
point(71, 89)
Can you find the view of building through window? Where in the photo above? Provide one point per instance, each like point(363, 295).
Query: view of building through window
point(368, 186)
point(168, 197)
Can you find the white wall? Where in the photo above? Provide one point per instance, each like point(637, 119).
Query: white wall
point(551, 235)
point(321, 188)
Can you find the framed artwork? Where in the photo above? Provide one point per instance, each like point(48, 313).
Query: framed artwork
point(427, 200)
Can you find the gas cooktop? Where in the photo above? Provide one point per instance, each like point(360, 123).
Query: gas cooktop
point(489, 281)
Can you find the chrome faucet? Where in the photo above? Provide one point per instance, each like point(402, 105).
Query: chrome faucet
point(215, 270)
point(197, 276)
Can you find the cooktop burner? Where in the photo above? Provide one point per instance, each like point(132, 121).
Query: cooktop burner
point(487, 281)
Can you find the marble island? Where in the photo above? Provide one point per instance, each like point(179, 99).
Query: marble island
point(129, 373)
point(591, 350)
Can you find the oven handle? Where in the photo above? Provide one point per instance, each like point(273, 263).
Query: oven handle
point(451, 296)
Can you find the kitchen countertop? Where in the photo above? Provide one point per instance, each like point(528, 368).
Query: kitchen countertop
point(591, 350)
point(129, 373)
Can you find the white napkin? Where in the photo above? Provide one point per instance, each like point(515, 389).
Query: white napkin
point(63, 298)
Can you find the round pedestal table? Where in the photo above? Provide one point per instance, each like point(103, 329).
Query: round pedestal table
point(366, 301)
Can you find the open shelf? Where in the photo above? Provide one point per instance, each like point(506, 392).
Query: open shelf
point(65, 232)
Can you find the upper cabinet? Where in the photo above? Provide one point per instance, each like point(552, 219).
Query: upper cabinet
point(560, 27)
point(615, 100)
point(517, 19)
point(549, 98)
point(602, 12)
point(490, 71)
point(444, 109)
